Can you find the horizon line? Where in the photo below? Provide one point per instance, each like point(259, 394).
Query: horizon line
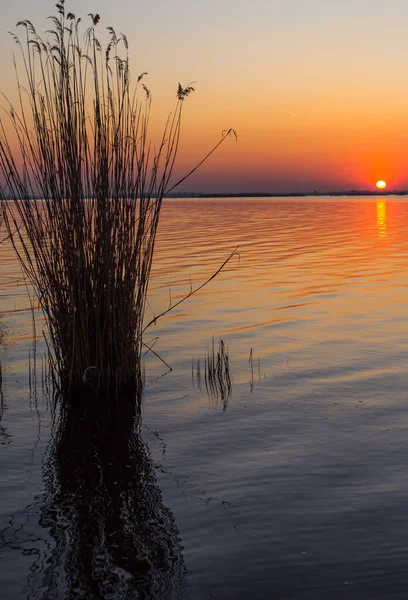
point(314, 193)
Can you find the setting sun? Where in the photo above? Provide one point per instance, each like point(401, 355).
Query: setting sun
point(381, 185)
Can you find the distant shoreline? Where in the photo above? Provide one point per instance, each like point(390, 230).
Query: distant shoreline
point(187, 195)
point(198, 195)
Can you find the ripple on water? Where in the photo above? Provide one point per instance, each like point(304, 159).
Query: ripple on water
point(299, 488)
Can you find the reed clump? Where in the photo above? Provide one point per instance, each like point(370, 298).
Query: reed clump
point(217, 373)
point(1, 370)
point(89, 187)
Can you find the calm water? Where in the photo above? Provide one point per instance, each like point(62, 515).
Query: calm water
point(297, 487)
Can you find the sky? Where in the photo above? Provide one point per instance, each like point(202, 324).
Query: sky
point(316, 90)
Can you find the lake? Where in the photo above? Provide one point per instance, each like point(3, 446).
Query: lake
point(292, 486)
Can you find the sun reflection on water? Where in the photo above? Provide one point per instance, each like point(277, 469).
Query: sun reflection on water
point(382, 219)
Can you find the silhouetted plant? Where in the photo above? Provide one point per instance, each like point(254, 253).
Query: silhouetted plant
point(1, 370)
point(87, 245)
point(4, 435)
point(217, 374)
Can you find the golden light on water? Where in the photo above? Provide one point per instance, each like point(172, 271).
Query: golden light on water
point(381, 185)
point(382, 219)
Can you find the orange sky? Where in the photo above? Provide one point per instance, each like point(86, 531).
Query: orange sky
point(316, 92)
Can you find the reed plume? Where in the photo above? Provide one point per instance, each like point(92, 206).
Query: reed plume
point(87, 244)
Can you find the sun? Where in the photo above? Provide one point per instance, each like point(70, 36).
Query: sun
point(381, 185)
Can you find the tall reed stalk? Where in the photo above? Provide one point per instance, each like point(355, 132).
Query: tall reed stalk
point(87, 245)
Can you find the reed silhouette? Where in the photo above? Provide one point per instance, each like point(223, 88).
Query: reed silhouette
point(4, 435)
point(81, 126)
point(217, 373)
point(1, 370)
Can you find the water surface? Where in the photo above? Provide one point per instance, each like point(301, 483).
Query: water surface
point(297, 487)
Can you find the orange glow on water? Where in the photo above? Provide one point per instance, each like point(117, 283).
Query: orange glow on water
point(381, 218)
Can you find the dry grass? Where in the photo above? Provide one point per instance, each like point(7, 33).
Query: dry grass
point(217, 373)
point(87, 245)
point(1, 370)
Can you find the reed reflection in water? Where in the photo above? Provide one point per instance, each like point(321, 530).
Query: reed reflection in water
point(112, 536)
